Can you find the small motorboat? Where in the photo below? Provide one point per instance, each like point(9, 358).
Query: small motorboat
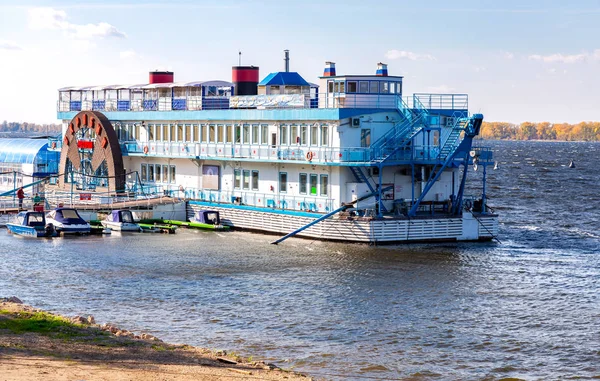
point(207, 219)
point(121, 220)
point(31, 224)
point(68, 221)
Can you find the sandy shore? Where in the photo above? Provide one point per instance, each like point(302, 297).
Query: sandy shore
point(37, 345)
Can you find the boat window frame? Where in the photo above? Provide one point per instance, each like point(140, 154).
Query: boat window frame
point(254, 178)
point(310, 183)
point(302, 183)
point(283, 184)
point(349, 84)
point(264, 134)
point(246, 179)
point(237, 178)
point(324, 188)
point(173, 174)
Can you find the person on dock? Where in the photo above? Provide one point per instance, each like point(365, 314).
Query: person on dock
point(20, 196)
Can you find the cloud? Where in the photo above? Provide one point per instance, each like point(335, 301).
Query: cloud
point(479, 69)
point(558, 57)
point(403, 54)
point(509, 55)
point(52, 19)
point(127, 54)
point(9, 45)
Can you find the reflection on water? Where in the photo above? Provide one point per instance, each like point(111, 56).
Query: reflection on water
point(527, 307)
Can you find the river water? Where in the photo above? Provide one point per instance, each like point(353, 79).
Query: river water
point(525, 307)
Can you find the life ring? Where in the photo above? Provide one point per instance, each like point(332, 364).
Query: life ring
point(468, 204)
point(146, 150)
point(309, 156)
point(53, 145)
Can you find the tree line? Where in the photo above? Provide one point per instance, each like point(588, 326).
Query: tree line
point(584, 131)
point(26, 128)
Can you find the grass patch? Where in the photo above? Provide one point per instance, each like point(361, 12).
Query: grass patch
point(40, 322)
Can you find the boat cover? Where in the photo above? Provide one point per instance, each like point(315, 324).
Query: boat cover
point(121, 216)
point(68, 216)
point(208, 217)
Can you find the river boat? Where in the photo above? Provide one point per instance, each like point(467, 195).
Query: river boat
point(203, 219)
point(282, 155)
point(121, 220)
point(68, 221)
point(207, 219)
point(31, 224)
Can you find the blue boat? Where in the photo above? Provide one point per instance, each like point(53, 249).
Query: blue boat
point(31, 224)
point(68, 221)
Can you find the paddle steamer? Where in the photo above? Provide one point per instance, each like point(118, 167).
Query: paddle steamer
point(353, 152)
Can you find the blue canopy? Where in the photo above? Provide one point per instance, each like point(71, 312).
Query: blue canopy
point(26, 151)
point(284, 78)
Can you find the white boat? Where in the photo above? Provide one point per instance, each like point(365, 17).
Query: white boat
point(67, 221)
point(31, 224)
point(121, 220)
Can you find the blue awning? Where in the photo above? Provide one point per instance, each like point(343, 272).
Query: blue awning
point(282, 78)
point(24, 151)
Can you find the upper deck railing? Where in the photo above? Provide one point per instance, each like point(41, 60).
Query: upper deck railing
point(441, 101)
point(262, 102)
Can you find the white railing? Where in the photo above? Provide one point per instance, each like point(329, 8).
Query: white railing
point(307, 203)
point(146, 192)
point(250, 151)
point(276, 101)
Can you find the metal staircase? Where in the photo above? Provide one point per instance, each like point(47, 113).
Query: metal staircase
point(362, 178)
point(454, 137)
point(453, 148)
point(412, 122)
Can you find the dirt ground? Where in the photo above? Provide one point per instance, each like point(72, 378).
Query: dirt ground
point(90, 352)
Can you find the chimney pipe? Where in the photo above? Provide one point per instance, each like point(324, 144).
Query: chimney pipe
point(287, 60)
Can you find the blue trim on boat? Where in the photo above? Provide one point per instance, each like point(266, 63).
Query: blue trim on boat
point(257, 209)
point(235, 114)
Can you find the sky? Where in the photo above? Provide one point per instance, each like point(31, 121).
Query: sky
point(519, 61)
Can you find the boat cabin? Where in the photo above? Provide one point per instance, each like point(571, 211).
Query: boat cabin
point(124, 216)
point(32, 219)
point(210, 217)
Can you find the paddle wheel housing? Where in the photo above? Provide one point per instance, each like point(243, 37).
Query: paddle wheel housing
point(91, 150)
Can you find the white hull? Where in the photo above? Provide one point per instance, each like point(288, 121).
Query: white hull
point(69, 229)
point(465, 228)
point(121, 226)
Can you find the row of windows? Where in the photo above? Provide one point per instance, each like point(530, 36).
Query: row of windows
point(303, 134)
point(238, 134)
point(312, 183)
point(364, 87)
point(245, 179)
point(158, 173)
